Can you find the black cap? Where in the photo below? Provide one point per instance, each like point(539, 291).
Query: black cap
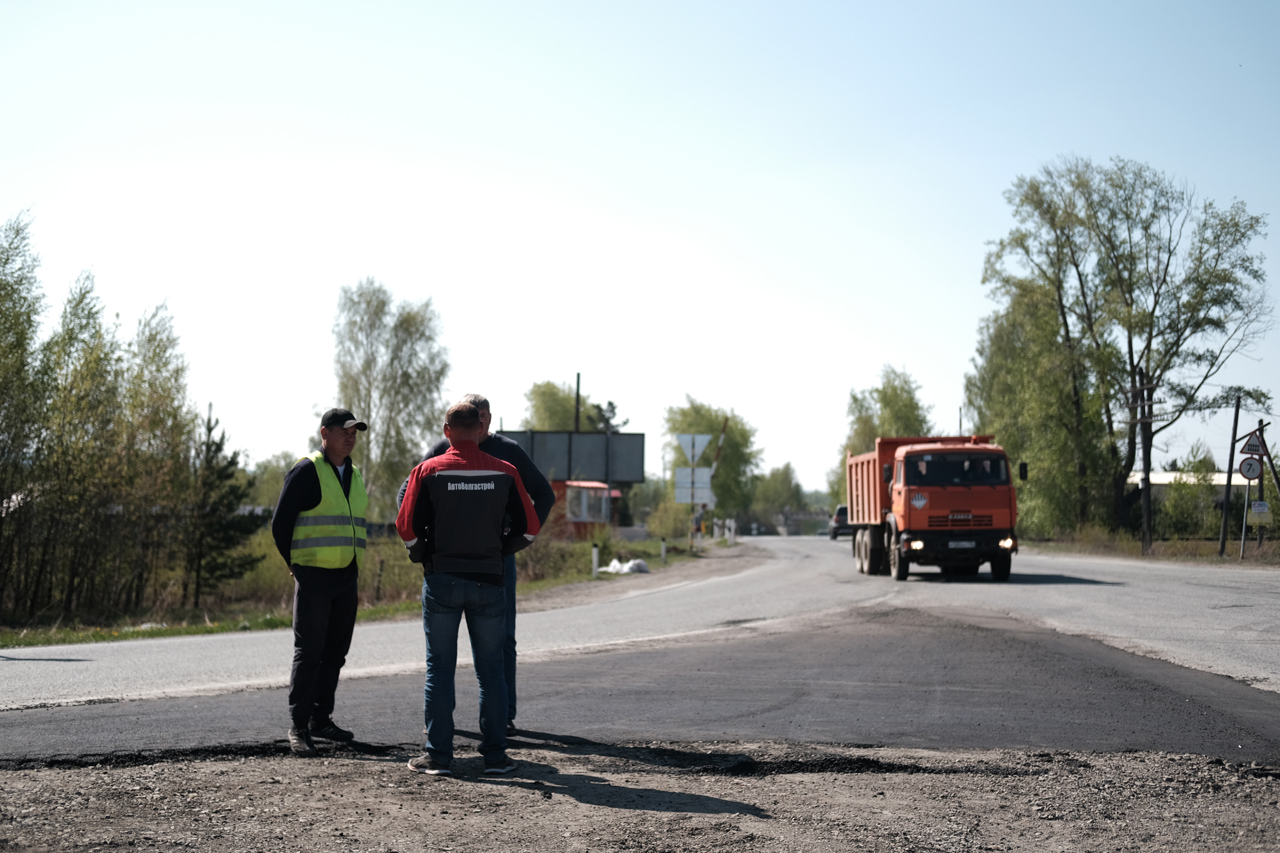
point(343, 419)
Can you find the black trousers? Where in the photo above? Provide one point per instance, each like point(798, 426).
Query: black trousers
point(324, 615)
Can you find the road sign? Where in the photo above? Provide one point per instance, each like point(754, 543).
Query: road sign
point(1259, 513)
point(693, 485)
point(1250, 468)
point(1253, 446)
point(693, 445)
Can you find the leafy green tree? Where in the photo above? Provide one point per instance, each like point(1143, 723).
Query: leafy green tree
point(1184, 295)
point(21, 390)
point(605, 418)
point(155, 433)
point(1187, 510)
point(892, 408)
point(1051, 246)
point(217, 529)
point(778, 495)
point(551, 409)
point(96, 443)
point(77, 469)
point(390, 368)
point(643, 498)
point(268, 478)
point(733, 484)
point(1151, 294)
point(1007, 396)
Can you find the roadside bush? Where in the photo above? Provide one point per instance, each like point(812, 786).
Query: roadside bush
point(669, 520)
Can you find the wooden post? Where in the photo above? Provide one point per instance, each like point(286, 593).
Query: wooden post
point(1226, 498)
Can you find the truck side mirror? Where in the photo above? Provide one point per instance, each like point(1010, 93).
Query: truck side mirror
point(1022, 470)
point(887, 473)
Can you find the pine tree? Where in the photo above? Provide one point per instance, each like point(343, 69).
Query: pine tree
point(218, 528)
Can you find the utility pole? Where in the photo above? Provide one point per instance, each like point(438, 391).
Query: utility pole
point(1146, 394)
point(577, 401)
point(1262, 480)
point(1226, 497)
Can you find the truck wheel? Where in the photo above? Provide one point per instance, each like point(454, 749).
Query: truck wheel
point(859, 561)
point(1000, 566)
point(831, 534)
point(877, 560)
point(899, 563)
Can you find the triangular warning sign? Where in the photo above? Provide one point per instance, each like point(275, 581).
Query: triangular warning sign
point(1252, 445)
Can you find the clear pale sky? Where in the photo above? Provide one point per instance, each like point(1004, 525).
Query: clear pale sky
point(756, 204)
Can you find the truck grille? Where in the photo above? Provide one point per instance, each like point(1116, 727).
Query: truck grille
point(965, 520)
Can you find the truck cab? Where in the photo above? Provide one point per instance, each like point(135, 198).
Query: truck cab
point(952, 506)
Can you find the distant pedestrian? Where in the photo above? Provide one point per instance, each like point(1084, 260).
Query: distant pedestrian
point(543, 497)
point(462, 512)
point(320, 529)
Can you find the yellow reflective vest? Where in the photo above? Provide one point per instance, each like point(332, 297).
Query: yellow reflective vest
point(334, 533)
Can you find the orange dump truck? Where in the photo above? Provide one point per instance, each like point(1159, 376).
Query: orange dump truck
point(941, 501)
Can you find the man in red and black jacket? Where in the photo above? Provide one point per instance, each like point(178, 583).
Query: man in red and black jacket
point(543, 497)
point(454, 519)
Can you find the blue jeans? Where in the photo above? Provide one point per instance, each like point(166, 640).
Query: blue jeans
point(509, 642)
point(445, 599)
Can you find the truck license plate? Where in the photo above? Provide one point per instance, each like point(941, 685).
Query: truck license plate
point(962, 544)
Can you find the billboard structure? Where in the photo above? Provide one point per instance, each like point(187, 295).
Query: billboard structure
point(604, 457)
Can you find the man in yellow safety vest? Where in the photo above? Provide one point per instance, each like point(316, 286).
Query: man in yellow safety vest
point(320, 529)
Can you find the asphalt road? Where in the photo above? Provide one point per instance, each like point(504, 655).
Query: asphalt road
point(799, 647)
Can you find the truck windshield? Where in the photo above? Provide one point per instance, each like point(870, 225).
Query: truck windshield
point(957, 469)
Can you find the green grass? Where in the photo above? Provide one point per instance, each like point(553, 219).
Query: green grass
point(11, 638)
point(261, 600)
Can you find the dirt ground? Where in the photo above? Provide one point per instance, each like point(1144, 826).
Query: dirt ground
point(576, 795)
point(649, 797)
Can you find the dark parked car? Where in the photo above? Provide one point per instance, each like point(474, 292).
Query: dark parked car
point(839, 522)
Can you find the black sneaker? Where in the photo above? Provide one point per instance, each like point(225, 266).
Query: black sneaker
point(506, 766)
point(329, 730)
point(426, 764)
point(300, 743)
point(511, 727)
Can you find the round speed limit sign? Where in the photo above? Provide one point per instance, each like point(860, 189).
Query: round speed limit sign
point(1250, 468)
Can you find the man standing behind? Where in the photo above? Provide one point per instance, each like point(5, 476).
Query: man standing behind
point(452, 518)
point(543, 497)
point(320, 530)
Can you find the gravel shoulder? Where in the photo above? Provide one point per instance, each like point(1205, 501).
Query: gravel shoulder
point(581, 795)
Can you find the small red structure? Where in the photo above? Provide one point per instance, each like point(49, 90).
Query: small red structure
point(588, 505)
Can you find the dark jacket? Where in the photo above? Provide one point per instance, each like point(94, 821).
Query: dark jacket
point(540, 491)
point(464, 511)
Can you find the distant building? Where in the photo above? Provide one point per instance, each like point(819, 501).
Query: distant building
point(1160, 481)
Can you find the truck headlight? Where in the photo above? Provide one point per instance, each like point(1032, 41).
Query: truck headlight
point(917, 545)
point(1007, 544)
